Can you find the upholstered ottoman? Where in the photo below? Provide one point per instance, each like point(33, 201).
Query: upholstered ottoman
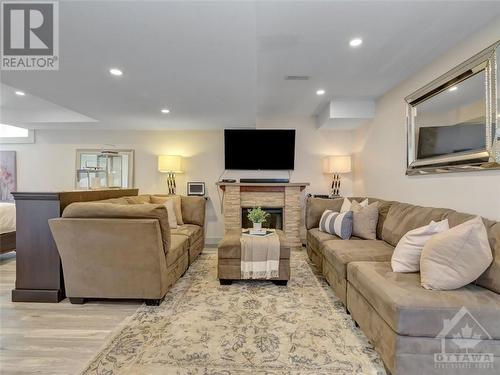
point(229, 259)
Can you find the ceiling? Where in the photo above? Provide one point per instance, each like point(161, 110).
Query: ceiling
point(222, 64)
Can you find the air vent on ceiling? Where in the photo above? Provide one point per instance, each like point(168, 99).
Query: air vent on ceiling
point(296, 78)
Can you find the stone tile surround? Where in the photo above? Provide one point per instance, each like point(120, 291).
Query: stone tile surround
point(286, 196)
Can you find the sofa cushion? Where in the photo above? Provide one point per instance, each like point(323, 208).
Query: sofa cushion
point(191, 231)
point(120, 211)
point(121, 200)
point(340, 253)
point(411, 310)
point(491, 277)
point(178, 247)
point(138, 199)
point(177, 204)
point(230, 246)
point(193, 210)
point(456, 257)
point(403, 217)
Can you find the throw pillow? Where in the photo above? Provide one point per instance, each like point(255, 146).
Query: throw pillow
point(346, 205)
point(406, 256)
point(336, 223)
point(456, 257)
point(177, 205)
point(364, 220)
point(172, 219)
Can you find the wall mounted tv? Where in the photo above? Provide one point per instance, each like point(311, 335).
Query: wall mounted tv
point(259, 149)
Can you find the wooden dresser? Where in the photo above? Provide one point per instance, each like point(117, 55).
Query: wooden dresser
point(39, 275)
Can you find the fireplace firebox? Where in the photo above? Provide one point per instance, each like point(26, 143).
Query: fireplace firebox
point(274, 221)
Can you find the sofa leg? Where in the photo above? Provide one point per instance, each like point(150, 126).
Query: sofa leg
point(153, 302)
point(280, 282)
point(76, 300)
point(225, 282)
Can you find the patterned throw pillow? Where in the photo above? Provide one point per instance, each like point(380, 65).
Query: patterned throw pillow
point(336, 223)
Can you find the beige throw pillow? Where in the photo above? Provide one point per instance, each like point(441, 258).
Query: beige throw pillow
point(346, 205)
point(177, 205)
point(456, 257)
point(172, 219)
point(406, 256)
point(364, 220)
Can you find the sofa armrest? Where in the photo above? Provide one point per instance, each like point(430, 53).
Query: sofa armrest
point(316, 206)
point(193, 210)
point(111, 258)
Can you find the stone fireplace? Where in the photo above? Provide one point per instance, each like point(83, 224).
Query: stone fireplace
point(284, 196)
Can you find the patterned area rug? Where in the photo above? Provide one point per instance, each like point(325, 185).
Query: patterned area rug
point(203, 328)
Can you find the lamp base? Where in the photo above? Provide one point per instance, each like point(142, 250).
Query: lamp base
point(171, 183)
point(335, 185)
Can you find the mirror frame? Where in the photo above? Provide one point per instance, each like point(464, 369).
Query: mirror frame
point(463, 161)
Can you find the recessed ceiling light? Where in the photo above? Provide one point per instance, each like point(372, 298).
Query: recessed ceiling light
point(115, 72)
point(356, 42)
point(320, 92)
point(454, 88)
point(20, 93)
point(165, 110)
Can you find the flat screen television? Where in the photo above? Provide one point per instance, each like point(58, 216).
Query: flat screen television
point(259, 149)
point(444, 140)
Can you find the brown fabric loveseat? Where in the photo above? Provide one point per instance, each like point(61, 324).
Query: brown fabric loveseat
point(124, 247)
point(405, 322)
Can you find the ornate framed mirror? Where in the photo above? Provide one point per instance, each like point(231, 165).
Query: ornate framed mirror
point(453, 123)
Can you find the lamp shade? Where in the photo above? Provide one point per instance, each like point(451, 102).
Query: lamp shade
point(170, 163)
point(337, 164)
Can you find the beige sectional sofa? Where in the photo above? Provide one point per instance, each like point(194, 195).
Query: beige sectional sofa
point(125, 248)
point(404, 321)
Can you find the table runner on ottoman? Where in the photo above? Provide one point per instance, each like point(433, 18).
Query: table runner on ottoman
point(260, 256)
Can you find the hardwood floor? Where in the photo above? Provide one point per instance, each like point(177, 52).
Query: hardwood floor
point(52, 338)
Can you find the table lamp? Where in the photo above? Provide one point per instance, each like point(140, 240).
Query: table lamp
point(170, 164)
point(336, 165)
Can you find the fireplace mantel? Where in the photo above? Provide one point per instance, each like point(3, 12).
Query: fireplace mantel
point(284, 195)
point(262, 187)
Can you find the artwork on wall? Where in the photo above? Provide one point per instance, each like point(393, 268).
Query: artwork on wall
point(8, 178)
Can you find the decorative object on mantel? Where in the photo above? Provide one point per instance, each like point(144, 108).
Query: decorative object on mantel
point(196, 188)
point(257, 216)
point(8, 180)
point(170, 164)
point(336, 165)
point(453, 123)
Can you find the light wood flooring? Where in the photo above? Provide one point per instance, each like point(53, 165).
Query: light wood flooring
point(52, 338)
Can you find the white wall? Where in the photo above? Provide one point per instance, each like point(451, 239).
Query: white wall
point(380, 147)
point(49, 164)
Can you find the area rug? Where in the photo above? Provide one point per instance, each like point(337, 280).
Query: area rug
point(202, 328)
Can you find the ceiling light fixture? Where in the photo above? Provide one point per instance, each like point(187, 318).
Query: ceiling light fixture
point(356, 42)
point(320, 92)
point(20, 93)
point(165, 110)
point(454, 88)
point(115, 72)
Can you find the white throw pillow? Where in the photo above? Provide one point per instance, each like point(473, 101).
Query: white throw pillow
point(172, 219)
point(346, 205)
point(406, 256)
point(456, 257)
